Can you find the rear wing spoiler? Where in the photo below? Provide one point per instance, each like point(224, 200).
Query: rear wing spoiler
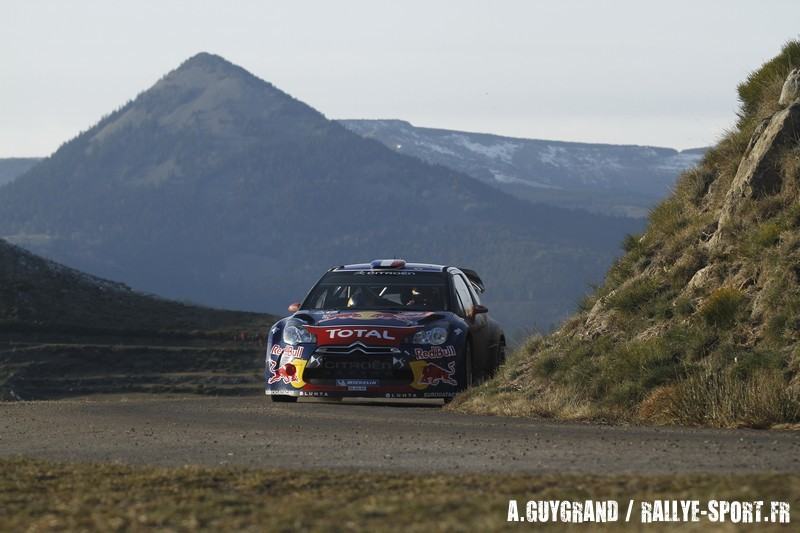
point(474, 278)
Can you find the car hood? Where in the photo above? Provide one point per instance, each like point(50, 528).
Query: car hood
point(377, 328)
point(369, 318)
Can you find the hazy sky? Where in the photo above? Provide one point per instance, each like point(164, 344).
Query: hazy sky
point(638, 72)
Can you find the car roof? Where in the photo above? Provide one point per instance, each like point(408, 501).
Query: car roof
point(416, 267)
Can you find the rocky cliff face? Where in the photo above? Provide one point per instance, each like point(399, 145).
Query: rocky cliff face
point(699, 322)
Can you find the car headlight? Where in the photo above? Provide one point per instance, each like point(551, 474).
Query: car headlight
point(435, 336)
point(296, 335)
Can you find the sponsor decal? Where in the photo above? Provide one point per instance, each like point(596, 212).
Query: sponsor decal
point(371, 335)
point(436, 352)
point(384, 273)
point(368, 364)
point(357, 382)
point(361, 315)
point(292, 351)
point(289, 373)
point(312, 393)
point(405, 316)
point(400, 395)
point(428, 374)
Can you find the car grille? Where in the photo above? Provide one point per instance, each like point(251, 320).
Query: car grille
point(358, 348)
point(357, 361)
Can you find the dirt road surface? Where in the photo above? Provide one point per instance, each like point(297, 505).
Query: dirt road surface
point(375, 436)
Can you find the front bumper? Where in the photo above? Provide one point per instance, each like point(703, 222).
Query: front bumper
point(358, 370)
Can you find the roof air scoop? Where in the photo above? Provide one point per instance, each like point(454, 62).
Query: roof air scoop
point(388, 263)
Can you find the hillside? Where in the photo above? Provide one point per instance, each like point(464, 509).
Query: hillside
point(63, 332)
point(215, 186)
point(41, 295)
point(699, 322)
point(603, 178)
point(12, 167)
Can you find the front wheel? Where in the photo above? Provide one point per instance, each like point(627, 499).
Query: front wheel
point(500, 358)
point(469, 366)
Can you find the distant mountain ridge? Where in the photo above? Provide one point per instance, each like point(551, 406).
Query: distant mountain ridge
point(615, 179)
point(37, 294)
point(13, 167)
point(215, 186)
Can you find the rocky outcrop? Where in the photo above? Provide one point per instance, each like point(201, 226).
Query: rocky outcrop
point(598, 322)
point(791, 88)
point(759, 174)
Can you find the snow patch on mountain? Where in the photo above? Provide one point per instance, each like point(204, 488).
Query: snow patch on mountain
point(503, 151)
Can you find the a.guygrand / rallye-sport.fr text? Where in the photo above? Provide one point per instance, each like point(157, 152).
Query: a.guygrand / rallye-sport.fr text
point(386, 329)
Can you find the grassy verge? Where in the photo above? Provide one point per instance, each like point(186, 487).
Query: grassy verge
point(42, 496)
point(698, 323)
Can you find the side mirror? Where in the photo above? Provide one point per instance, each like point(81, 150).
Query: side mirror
point(293, 308)
point(478, 309)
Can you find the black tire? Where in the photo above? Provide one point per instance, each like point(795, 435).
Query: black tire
point(499, 358)
point(469, 366)
point(282, 399)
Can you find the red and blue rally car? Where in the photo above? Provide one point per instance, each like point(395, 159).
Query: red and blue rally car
point(386, 329)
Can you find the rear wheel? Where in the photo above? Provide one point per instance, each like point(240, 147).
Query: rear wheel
point(283, 399)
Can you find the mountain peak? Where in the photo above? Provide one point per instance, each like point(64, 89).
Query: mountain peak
point(204, 68)
point(210, 62)
point(206, 94)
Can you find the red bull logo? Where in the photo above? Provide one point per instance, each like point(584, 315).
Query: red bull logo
point(428, 374)
point(433, 374)
point(291, 351)
point(289, 373)
point(286, 373)
point(436, 352)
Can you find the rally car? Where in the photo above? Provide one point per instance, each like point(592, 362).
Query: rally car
point(386, 329)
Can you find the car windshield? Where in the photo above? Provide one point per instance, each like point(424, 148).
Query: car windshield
point(379, 289)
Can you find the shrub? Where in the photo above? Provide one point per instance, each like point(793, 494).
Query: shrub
point(775, 327)
point(667, 217)
point(720, 398)
point(629, 371)
point(631, 243)
point(722, 307)
point(632, 296)
point(683, 306)
point(693, 184)
point(760, 84)
point(764, 236)
point(748, 363)
point(547, 365)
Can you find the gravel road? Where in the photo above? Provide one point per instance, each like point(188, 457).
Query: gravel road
point(252, 431)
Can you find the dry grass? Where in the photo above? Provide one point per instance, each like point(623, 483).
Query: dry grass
point(723, 399)
point(721, 307)
point(41, 496)
point(648, 347)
